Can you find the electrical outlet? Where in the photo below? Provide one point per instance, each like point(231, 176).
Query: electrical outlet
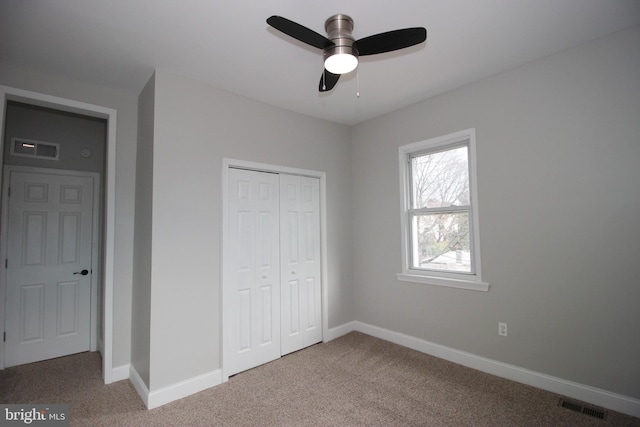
point(502, 329)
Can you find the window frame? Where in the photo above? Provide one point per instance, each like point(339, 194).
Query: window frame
point(463, 280)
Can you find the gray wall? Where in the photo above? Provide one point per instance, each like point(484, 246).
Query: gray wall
point(126, 106)
point(72, 132)
point(195, 127)
point(558, 145)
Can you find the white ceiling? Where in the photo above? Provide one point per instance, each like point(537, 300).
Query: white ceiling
point(227, 43)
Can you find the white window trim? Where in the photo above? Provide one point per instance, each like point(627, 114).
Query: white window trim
point(448, 279)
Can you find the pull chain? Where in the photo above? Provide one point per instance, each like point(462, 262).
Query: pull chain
point(358, 83)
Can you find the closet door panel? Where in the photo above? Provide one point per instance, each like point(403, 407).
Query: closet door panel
point(252, 270)
point(300, 258)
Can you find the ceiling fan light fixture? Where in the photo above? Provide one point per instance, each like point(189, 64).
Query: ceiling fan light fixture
point(341, 63)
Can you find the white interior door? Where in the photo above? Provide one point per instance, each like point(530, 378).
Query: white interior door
point(48, 267)
point(301, 298)
point(252, 270)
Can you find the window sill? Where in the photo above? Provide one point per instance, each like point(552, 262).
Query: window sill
point(471, 285)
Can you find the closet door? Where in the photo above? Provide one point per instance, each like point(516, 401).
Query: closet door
point(252, 272)
point(301, 304)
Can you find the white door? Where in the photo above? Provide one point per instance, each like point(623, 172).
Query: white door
point(301, 315)
point(252, 270)
point(48, 266)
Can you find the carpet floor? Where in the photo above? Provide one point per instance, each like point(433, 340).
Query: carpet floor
point(355, 380)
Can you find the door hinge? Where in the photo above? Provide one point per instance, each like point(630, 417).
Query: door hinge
point(4, 337)
point(6, 263)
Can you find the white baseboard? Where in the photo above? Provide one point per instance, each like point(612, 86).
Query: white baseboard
point(339, 331)
point(184, 388)
point(153, 399)
point(120, 373)
point(139, 385)
point(585, 393)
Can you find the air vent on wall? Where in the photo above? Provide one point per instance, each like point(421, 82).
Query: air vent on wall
point(34, 149)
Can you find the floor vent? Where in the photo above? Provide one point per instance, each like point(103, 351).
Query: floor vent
point(592, 412)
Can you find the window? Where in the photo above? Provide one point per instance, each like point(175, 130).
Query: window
point(440, 239)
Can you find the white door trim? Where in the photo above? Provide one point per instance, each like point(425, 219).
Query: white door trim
point(263, 167)
point(95, 240)
point(108, 245)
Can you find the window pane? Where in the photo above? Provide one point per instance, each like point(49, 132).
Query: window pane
point(440, 179)
point(441, 242)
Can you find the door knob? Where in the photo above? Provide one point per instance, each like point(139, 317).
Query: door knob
point(83, 272)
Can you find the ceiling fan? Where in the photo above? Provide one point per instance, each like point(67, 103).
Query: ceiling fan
point(340, 49)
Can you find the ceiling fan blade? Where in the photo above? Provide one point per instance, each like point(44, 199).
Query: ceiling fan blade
point(391, 40)
point(299, 32)
point(328, 81)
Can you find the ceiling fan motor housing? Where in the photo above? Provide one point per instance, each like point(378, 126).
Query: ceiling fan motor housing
point(338, 28)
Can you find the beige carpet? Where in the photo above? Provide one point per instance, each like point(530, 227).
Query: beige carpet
point(352, 381)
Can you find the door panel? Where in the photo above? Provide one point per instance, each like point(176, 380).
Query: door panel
point(313, 305)
point(68, 309)
point(35, 239)
point(31, 326)
point(70, 236)
point(50, 227)
point(300, 254)
point(252, 283)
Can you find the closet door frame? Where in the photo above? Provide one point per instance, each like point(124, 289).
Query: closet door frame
point(228, 163)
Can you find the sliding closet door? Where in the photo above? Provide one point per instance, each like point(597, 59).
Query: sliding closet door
point(301, 318)
point(252, 270)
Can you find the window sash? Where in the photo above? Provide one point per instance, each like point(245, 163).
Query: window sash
point(436, 150)
point(413, 259)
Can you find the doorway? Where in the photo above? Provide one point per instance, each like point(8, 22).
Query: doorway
point(106, 261)
point(274, 287)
